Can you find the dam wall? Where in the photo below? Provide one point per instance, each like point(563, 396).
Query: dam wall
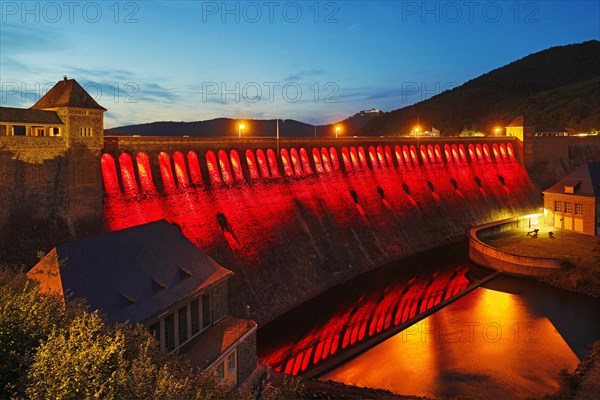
point(295, 217)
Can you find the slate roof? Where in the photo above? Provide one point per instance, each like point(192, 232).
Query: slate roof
point(67, 93)
point(28, 116)
point(585, 180)
point(133, 274)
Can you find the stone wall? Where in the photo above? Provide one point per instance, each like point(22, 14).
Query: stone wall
point(246, 356)
point(219, 300)
point(499, 260)
point(49, 196)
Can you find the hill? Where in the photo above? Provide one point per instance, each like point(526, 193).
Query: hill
point(557, 87)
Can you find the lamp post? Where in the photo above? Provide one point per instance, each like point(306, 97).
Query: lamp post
point(240, 129)
point(337, 131)
point(497, 130)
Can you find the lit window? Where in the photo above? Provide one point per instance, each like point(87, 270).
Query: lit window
point(231, 362)
point(578, 208)
point(221, 371)
point(86, 131)
point(558, 206)
point(568, 207)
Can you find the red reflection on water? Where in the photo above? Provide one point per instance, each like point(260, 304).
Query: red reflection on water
point(109, 175)
point(374, 314)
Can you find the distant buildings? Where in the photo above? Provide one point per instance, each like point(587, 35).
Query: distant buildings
point(152, 274)
point(539, 144)
point(574, 202)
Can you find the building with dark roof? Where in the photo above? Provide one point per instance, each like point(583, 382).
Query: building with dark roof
point(152, 274)
point(574, 202)
point(537, 144)
point(67, 112)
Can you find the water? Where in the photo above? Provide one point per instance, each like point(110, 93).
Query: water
point(509, 339)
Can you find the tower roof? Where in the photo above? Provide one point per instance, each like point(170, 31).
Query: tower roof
point(521, 121)
point(67, 93)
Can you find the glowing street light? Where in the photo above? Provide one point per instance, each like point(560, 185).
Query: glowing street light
point(338, 129)
point(241, 127)
point(497, 130)
point(417, 129)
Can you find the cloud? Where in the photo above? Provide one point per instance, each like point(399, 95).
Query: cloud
point(305, 74)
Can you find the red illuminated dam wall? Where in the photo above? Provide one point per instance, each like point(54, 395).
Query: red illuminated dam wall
point(294, 218)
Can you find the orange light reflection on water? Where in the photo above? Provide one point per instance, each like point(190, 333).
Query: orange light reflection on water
point(488, 344)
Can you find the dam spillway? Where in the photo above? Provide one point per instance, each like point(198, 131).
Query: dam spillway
point(295, 217)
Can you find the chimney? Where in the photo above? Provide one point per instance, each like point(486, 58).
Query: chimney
point(65, 78)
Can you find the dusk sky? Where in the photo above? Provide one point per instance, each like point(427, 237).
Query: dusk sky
point(317, 62)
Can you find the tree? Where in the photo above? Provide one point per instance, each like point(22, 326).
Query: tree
point(27, 317)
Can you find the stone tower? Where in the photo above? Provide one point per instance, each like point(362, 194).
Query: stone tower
point(524, 130)
point(82, 116)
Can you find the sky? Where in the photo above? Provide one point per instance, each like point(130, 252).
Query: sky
point(313, 61)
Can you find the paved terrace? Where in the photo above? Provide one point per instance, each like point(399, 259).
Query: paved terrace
point(568, 245)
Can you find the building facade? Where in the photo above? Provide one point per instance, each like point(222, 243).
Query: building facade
point(152, 274)
point(573, 203)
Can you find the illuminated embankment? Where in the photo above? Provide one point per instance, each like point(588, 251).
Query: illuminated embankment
point(294, 221)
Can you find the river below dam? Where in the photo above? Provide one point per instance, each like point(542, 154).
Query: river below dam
point(506, 339)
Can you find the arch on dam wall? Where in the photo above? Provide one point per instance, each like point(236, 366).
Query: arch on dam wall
point(144, 171)
point(181, 169)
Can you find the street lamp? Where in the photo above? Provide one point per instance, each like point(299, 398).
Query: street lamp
point(337, 130)
point(417, 131)
point(240, 128)
point(497, 130)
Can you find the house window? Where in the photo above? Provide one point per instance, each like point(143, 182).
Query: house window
point(558, 206)
point(221, 371)
point(86, 131)
point(169, 332)
point(578, 208)
point(19, 130)
point(231, 362)
point(195, 316)
point(568, 207)
point(182, 314)
point(206, 317)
